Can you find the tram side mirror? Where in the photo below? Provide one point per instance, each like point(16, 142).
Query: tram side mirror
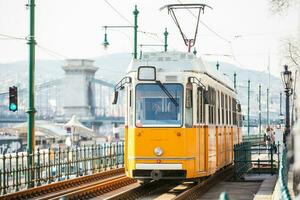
point(116, 95)
point(146, 73)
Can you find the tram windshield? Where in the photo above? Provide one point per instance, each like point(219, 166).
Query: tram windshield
point(154, 108)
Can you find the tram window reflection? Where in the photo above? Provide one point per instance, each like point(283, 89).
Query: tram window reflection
point(154, 108)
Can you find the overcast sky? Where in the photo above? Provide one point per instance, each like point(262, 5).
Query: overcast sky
point(73, 29)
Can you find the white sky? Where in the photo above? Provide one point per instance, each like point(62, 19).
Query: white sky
point(73, 28)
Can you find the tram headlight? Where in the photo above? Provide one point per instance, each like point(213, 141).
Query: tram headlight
point(158, 151)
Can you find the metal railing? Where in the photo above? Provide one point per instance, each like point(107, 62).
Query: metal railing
point(253, 138)
point(259, 157)
point(52, 165)
point(283, 176)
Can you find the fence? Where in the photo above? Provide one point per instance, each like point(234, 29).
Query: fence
point(53, 165)
point(283, 176)
point(259, 158)
point(254, 139)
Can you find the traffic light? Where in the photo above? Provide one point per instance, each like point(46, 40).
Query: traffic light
point(13, 99)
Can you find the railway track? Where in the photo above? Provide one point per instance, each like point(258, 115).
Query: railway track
point(177, 191)
point(58, 188)
point(95, 185)
point(95, 189)
point(199, 189)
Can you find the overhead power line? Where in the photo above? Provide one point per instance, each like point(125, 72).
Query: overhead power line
point(122, 16)
point(11, 37)
point(206, 26)
point(148, 34)
point(51, 52)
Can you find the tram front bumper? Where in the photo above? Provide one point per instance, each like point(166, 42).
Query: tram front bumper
point(159, 171)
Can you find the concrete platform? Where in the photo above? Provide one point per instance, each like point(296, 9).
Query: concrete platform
point(266, 189)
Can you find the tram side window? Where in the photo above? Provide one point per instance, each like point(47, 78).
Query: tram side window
point(218, 105)
point(212, 105)
point(200, 113)
point(130, 98)
point(222, 107)
point(130, 109)
point(229, 105)
point(234, 117)
point(215, 106)
point(226, 108)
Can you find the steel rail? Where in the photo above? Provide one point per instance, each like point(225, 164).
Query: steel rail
point(199, 189)
point(67, 192)
point(147, 189)
point(140, 191)
point(98, 189)
point(38, 192)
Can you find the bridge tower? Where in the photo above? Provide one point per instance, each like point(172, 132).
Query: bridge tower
point(79, 88)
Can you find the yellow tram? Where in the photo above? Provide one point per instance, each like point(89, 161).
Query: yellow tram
point(182, 117)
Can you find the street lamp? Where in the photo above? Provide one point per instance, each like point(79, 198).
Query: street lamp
point(286, 77)
point(105, 42)
point(135, 30)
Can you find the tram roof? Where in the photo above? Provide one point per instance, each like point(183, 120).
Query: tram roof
point(175, 61)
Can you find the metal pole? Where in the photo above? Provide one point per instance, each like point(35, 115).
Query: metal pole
point(248, 113)
point(268, 116)
point(31, 110)
point(166, 39)
point(259, 107)
point(234, 80)
point(141, 52)
point(287, 109)
point(135, 28)
point(280, 104)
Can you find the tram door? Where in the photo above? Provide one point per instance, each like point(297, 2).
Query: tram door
point(201, 130)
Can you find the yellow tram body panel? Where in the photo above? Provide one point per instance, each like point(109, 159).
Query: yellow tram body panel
point(199, 151)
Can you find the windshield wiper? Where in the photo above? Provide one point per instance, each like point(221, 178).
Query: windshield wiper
point(163, 88)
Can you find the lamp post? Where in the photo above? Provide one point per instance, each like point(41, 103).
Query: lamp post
point(259, 108)
point(248, 113)
point(286, 77)
point(234, 80)
point(31, 109)
point(166, 39)
point(165, 45)
point(135, 30)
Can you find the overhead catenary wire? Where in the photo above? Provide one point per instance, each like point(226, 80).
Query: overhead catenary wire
point(51, 52)
point(6, 36)
point(213, 31)
point(206, 26)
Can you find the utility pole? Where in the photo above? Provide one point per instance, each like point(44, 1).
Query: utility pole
point(166, 39)
point(248, 113)
point(268, 116)
point(31, 109)
point(259, 108)
point(234, 80)
point(135, 29)
point(280, 112)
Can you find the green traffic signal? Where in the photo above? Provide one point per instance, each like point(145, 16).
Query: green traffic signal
point(13, 99)
point(13, 107)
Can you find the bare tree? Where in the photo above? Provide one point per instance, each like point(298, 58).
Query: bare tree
point(290, 51)
point(279, 6)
